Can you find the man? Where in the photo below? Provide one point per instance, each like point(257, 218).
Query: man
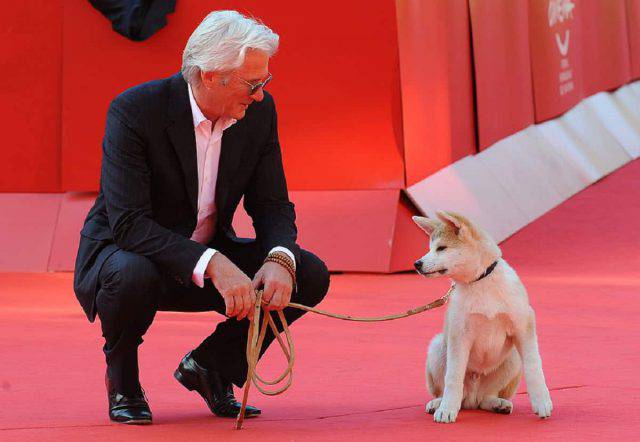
point(178, 155)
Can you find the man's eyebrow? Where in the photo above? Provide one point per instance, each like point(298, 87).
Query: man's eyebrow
point(258, 79)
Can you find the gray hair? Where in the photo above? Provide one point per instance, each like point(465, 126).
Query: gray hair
point(221, 41)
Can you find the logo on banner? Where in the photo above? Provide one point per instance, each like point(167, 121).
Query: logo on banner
point(561, 11)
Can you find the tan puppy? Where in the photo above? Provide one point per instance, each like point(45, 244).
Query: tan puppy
point(489, 330)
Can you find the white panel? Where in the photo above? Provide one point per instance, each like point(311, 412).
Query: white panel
point(471, 189)
point(629, 102)
point(598, 145)
point(635, 88)
point(568, 147)
point(567, 175)
point(517, 165)
point(616, 121)
point(521, 177)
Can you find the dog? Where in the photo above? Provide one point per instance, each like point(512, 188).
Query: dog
point(489, 335)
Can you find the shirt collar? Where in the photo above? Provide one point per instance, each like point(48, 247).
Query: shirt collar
point(198, 116)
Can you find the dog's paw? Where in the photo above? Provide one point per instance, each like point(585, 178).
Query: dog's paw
point(504, 407)
point(542, 408)
point(541, 404)
point(497, 405)
point(445, 415)
point(433, 405)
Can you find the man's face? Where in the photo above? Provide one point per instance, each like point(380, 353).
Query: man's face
point(228, 94)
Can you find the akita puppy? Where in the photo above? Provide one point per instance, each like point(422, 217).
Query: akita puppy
point(489, 332)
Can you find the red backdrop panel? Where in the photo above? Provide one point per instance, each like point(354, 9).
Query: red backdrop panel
point(352, 230)
point(409, 241)
point(31, 47)
point(437, 85)
point(27, 226)
point(606, 45)
point(336, 85)
point(504, 93)
point(363, 230)
point(556, 55)
point(73, 211)
point(633, 28)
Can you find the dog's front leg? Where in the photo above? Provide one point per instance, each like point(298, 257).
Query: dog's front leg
point(527, 345)
point(457, 357)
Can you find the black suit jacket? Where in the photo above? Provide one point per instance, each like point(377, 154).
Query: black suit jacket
point(147, 203)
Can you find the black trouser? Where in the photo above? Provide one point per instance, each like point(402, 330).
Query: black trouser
point(132, 289)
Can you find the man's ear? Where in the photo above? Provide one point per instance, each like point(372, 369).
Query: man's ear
point(210, 79)
point(426, 224)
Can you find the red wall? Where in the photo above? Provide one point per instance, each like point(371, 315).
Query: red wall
point(504, 93)
point(606, 45)
point(556, 58)
point(633, 27)
point(348, 119)
point(31, 47)
point(437, 84)
point(335, 83)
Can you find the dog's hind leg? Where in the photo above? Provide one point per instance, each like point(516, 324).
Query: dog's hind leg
point(497, 387)
point(436, 365)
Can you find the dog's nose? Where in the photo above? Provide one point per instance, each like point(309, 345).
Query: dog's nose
point(417, 264)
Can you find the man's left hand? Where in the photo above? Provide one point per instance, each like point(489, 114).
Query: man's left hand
point(276, 285)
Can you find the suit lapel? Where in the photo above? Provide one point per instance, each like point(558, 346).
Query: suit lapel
point(182, 136)
point(233, 142)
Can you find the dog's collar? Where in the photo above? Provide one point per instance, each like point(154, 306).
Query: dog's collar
point(488, 271)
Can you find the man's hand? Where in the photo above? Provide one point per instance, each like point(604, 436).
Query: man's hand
point(276, 285)
point(234, 286)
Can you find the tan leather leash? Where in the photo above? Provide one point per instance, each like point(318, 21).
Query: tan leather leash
point(255, 340)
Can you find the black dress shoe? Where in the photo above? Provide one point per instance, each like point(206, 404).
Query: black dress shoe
point(127, 409)
point(216, 391)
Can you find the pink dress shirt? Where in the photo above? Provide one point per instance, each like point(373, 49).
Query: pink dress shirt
point(208, 145)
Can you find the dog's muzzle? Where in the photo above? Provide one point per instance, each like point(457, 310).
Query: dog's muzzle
point(418, 266)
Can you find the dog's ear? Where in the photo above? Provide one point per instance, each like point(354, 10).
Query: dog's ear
point(426, 224)
point(453, 220)
point(460, 225)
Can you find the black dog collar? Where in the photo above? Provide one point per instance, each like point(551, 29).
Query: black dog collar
point(488, 271)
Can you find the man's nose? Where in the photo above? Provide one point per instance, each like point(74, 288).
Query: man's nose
point(418, 264)
point(258, 96)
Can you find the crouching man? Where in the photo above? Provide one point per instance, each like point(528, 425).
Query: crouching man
point(178, 155)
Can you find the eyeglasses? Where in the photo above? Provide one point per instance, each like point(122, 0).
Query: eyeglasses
point(254, 87)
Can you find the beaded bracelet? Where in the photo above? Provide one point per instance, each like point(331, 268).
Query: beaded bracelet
point(283, 256)
point(282, 261)
point(285, 261)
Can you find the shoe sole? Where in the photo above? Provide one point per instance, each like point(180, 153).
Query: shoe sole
point(181, 378)
point(133, 422)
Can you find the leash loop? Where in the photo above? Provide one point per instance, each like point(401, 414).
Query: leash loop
point(256, 337)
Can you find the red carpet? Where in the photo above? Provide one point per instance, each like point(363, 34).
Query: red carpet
point(580, 263)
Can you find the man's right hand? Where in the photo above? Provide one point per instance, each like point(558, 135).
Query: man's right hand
point(234, 286)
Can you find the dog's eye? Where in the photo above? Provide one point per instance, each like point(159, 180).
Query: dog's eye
point(441, 248)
